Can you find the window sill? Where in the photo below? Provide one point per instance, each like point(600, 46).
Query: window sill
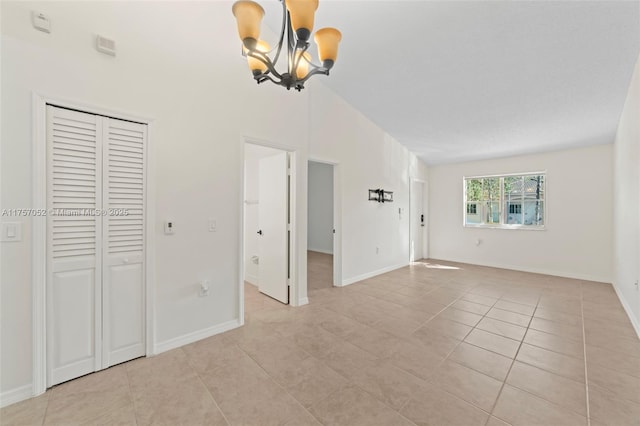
point(512, 227)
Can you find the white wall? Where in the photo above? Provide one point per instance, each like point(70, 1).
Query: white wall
point(627, 203)
point(577, 241)
point(320, 208)
point(252, 155)
point(179, 64)
point(367, 158)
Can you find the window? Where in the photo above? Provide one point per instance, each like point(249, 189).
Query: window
point(515, 208)
point(508, 201)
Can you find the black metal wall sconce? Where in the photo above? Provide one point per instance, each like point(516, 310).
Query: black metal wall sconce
point(380, 195)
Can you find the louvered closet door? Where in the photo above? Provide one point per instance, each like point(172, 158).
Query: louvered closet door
point(74, 163)
point(124, 237)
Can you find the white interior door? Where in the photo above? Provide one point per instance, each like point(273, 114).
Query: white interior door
point(123, 235)
point(273, 220)
point(74, 158)
point(417, 221)
point(95, 242)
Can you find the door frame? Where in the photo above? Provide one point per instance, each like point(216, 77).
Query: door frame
point(294, 266)
point(425, 208)
point(337, 217)
point(39, 229)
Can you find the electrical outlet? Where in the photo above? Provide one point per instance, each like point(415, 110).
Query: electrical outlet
point(204, 289)
point(377, 250)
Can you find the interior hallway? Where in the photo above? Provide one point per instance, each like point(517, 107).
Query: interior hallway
point(319, 270)
point(430, 344)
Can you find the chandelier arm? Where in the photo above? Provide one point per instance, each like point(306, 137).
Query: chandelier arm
point(317, 70)
point(262, 57)
point(284, 26)
point(264, 77)
point(300, 57)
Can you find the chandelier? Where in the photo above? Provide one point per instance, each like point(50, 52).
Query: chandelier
point(297, 25)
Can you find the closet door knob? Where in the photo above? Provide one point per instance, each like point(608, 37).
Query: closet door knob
point(125, 260)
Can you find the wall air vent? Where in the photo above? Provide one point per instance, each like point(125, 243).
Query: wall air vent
point(106, 45)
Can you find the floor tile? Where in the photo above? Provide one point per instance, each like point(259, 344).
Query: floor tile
point(386, 351)
point(616, 361)
point(470, 385)
point(416, 359)
point(515, 307)
point(493, 342)
point(502, 328)
point(463, 317)
point(557, 389)
point(623, 386)
point(353, 406)
point(470, 306)
point(520, 408)
point(29, 412)
point(560, 317)
point(487, 362)
point(565, 331)
point(448, 328)
point(608, 409)
point(388, 384)
point(482, 300)
point(435, 407)
point(434, 341)
point(510, 317)
point(555, 343)
point(553, 362)
point(188, 402)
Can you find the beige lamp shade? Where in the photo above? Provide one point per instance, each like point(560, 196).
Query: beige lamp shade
point(303, 65)
point(302, 13)
point(249, 16)
point(327, 40)
point(257, 65)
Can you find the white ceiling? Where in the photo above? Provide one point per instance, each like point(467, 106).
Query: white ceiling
point(456, 81)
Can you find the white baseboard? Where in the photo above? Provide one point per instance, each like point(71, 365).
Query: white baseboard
point(563, 274)
point(372, 274)
point(16, 395)
point(320, 250)
point(251, 279)
point(634, 321)
point(177, 342)
point(303, 301)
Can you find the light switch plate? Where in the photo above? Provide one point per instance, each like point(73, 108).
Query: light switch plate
point(40, 21)
point(213, 225)
point(11, 231)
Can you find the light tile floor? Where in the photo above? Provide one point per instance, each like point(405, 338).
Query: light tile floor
point(319, 270)
point(436, 343)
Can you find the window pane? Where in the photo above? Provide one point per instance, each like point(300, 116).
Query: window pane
point(491, 212)
point(534, 213)
point(473, 216)
point(534, 187)
point(491, 189)
point(474, 189)
point(514, 213)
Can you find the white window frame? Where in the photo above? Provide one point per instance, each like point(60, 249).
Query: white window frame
point(503, 212)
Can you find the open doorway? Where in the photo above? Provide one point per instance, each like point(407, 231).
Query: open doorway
point(267, 223)
point(418, 222)
point(321, 227)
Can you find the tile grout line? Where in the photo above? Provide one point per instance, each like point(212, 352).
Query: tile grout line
point(513, 361)
point(133, 400)
point(212, 397)
point(584, 346)
point(281, 386)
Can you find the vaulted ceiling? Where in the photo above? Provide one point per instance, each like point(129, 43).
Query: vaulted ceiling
point(456, 81)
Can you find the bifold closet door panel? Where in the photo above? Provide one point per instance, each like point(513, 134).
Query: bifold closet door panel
point(74, 252)
point(124, 188)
